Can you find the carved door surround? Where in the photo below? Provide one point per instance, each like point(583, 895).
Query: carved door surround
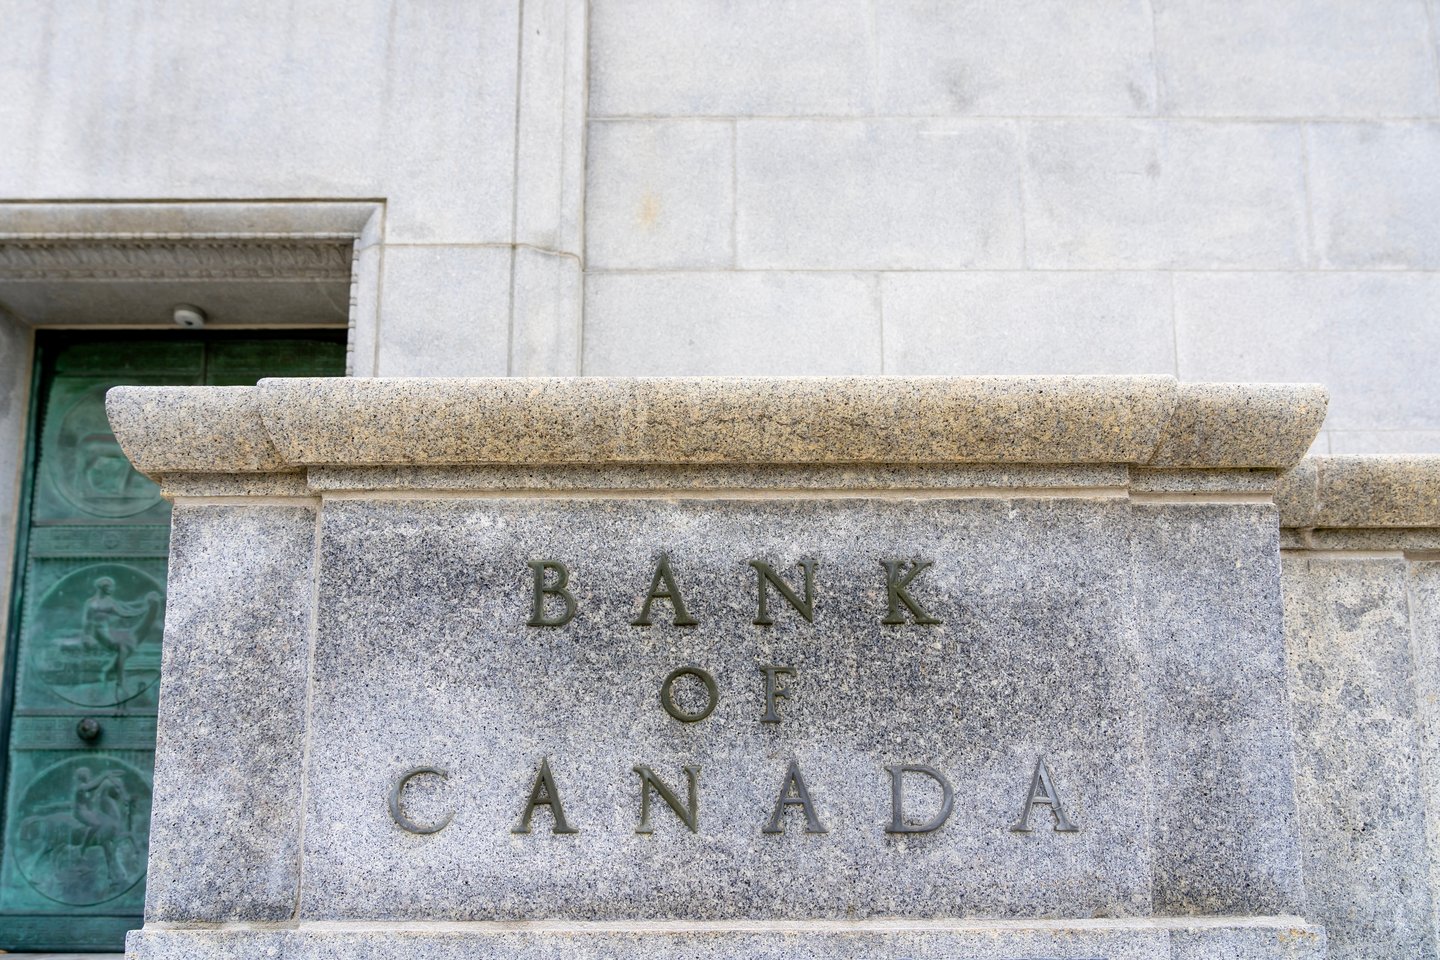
point(79, 692)
point(247, 263)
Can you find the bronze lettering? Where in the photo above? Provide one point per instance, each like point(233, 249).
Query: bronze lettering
point(897, 799)
point(671, 593)
point(545, 794)
point(1042, 791)
point(897, 583)
point(793, 792)
point(766, 576)
point(690, 813)
point(541, 590)
point(398, 814)
point(668, 702)
point(773, 691)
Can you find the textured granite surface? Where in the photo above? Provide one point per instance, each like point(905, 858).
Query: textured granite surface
point(423, 658)
point(1358, 756)
point(1222, 785)
point(224, 838)
point(1240, 425)
point(1423, 596)
point(1056, 420)
point(1355, 491)
point(1231, 939)
point(192, 429)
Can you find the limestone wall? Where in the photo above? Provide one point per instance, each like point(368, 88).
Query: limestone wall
point(1211, 189)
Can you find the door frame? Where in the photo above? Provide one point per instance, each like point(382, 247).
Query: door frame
point(46, 343)
point(9, 639)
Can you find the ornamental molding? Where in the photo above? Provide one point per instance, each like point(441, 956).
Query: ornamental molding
point(138, 257)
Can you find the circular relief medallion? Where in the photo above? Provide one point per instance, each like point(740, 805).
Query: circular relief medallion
point(95, 639)
point(81, 830)
point(88, 467)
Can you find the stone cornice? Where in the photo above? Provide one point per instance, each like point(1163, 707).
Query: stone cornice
point(285, 424)
point(1361, 492)
point(143, 258)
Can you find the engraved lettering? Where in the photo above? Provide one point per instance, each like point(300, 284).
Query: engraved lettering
point(663, 574)
point(397, 812)
point(793, 792)
point(897, 583)
point(897, 799)
point(667, 699)
point(773, 691)
point(556, 588)
point(766, 577)
point(545, 794)
point(690, 813)
point(1042, 791)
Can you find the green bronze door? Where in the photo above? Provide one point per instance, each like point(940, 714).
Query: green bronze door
point(83, 655)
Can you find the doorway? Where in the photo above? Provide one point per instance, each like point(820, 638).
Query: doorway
point(82, 660)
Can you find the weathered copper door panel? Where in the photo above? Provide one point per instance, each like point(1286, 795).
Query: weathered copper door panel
point(84, 649)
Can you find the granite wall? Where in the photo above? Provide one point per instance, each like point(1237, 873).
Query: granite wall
point(1362, 624)
point(426, 599)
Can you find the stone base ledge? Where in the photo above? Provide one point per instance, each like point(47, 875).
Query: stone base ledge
point(1253, 938)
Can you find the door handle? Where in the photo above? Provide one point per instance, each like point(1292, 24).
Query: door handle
point(88, 729)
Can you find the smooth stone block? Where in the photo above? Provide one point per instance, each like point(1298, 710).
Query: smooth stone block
point(229, 761)
point(1376, 197)
point(545, 321)
point(1381, 442)
point(414, 103)
point(660, 194)
point(1295, 58)
point(756, 57)
point(1358, 758)
point(718, 324)
point(1027, 323)
point(550, 125)
point(1149, 194)
point(877, 194)
point(1042, 660)
point(1369, 337)
point(999, 58)
point(445, 311)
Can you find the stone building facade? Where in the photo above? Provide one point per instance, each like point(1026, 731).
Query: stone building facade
point(1210, 190)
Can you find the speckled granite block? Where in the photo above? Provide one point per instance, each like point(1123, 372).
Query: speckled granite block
point(224, 837)
point(1104, 586)
point(1358, 759)
point(1231, 938)
point(423, 658)
point(1216, 714)
point(1423, 604)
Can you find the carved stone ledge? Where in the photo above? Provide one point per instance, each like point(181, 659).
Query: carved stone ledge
point(149, 258)
point(289, 423)
point(1361, 493)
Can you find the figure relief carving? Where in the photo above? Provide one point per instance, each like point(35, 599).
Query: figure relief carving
point(88, 468)
point(97, 635)
point(83, 829)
